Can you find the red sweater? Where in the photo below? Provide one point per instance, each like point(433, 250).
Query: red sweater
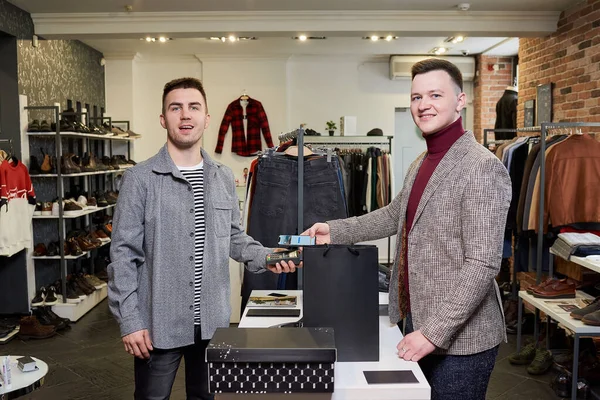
point(438, 145)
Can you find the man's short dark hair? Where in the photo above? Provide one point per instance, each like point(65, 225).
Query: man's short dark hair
point(183, 83)
point(437, 64)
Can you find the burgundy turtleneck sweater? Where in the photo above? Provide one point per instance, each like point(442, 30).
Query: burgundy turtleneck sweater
point(438, 145)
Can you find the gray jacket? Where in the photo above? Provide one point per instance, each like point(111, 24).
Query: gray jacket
point(454, 248)
point(152, 251)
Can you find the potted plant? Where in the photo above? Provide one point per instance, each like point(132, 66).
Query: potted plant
point(331, 127)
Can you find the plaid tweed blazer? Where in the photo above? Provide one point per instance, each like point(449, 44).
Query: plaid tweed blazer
point(454, 248)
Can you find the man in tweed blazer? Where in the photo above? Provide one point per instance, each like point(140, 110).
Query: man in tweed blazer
point(450, 218)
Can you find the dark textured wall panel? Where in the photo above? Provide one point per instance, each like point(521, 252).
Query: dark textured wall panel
point(15, 21)
point(58, 70)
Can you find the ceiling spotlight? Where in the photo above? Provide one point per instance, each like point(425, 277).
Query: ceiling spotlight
point(459, 39)
point(148, 39)
point(389, 38)
point(441, 50)
point(302, 38)
point(162, 39)
point(374, 38)
point(223, 39)
point(232, 38)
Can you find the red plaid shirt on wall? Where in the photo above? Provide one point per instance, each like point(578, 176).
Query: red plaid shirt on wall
point(242, 144)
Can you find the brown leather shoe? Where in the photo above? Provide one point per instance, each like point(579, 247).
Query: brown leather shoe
point(69, 164)
point(40, 250)
point(543, 284)
point(46, 166)
point(559, 289)
point(31, 328)
point(74, 248)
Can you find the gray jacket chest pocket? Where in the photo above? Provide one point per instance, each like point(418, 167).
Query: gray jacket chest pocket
point(222, 213)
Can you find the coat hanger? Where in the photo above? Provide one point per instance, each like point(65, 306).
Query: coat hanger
point(244, 96)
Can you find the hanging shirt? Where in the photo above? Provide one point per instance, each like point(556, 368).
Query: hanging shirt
point(17, 205)
point(245, 142)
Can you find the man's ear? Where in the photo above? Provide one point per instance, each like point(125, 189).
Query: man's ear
point(462, 101)
point(206, 121)
point(162, 121)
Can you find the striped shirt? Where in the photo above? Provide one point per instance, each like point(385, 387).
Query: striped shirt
point(195, 176)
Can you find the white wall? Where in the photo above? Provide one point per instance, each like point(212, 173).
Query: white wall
point(323, 89)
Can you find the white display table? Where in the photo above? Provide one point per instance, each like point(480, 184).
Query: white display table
point(23, 382)
point(350, 382)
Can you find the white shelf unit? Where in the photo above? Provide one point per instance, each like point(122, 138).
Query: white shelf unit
point(79, 214)
point(81, 135)
point(549, 307)
point(112, 171)
point(84, 254)
point(75, 311)
point(66, 310)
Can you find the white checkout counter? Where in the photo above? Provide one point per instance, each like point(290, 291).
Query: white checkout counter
point(350, 382)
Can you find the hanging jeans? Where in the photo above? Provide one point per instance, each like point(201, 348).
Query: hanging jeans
point(274, 209)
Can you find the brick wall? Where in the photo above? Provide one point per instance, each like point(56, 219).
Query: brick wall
point(493, 75)
point(570, 59)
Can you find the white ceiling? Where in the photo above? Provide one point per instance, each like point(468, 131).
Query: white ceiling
point(491, 26)
point(101, 6)
point(286, 47)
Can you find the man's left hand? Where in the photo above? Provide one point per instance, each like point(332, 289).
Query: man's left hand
point(414, 346)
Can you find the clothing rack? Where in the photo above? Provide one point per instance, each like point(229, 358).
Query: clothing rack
point(544, 129)
point(355, 141)
point(298, 134)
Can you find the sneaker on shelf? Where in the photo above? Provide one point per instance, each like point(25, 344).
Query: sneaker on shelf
point(101, 200)
point(102, 275)
point(72, 297)
point(133, 135)
point(54, 249)
point(91, 203)
point(82, 201)
point(94, 281)
point(76, 290)
point(31, 328)
point(51, 299)
point(72, 208)
point(111, 197)
point(34, 126)
point(46, 208)
point(38, 209)
point(102, 236)
point(38, 300)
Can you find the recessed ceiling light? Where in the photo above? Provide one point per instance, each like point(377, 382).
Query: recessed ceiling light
point(302, 38)
point(162, 39)
point(148, 39)
point(459, 39)
point(389, 38)
point(232, 38)
point(309, 37)
point(374, 38)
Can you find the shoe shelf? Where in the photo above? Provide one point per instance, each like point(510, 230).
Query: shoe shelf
point(112, 171)
point(550, 307)
point(82, 135)
point(75, 311)
point(85, 253)
point(10, 336)
point(79, 214)
point(583, 261)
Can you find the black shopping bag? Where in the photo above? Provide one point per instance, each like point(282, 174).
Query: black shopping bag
point(341, 291)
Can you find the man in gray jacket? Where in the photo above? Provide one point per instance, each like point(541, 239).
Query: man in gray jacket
point(449, 219)
point(175, 226)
